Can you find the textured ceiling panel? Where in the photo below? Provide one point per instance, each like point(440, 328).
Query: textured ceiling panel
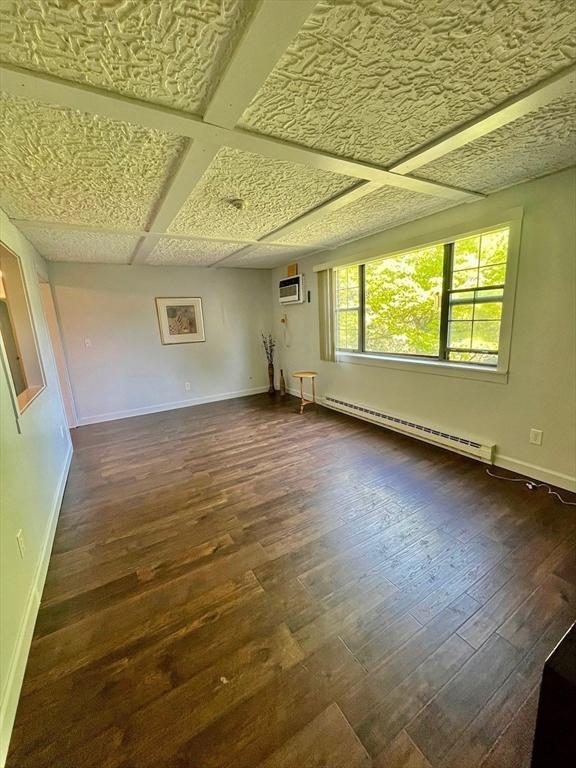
point(165, 52)
point(62, 165)
point(383, 209)
point(57, 244)
point(274, 191)
point(539, 143)
point(192, 253)
point(266, 256)
point(374, 79)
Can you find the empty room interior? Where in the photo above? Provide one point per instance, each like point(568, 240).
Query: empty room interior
point(288, 383)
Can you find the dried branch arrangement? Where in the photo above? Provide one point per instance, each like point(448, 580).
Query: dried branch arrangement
point(269, 344)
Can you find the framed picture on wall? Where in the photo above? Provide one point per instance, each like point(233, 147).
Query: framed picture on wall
point(180, 320)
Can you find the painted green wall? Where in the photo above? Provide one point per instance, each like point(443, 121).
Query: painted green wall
point(540, 390)
point(33, 469)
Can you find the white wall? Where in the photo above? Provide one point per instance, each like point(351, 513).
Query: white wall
point(541, 387)
point(33, 470)
point(127, 370)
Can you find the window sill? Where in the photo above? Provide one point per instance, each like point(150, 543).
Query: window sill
point(435, 367)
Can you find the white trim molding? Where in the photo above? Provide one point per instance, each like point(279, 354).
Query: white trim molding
point(530, 100)
point(171, 406)
point(536, 472)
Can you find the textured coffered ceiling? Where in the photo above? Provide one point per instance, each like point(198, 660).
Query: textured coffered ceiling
point(542, 142)
point(127, 127)
point(375, 79)
point(267, 256)
point(274, 193)
point(197, 253)
point(383, 209)
point(58, 244)
point(164, 52)
point(66, 166)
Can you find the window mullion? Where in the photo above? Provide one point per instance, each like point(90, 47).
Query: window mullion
point(445, 300)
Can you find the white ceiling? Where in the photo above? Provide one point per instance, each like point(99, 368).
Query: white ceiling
point(127, 128)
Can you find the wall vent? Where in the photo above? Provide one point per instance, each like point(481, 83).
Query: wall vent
point(458, 443)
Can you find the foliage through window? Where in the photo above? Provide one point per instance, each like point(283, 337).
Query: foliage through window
point(443, 301)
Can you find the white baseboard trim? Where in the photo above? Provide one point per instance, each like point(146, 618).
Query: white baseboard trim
point(531, 471)
point(175, 404)
point(17, 666)
point(534, 472)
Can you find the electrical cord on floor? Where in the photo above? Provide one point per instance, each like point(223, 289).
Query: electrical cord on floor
point(532, 484)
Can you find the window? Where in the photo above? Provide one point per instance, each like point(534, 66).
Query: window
point(441, 302)
point(20, 350)
point(348, 304)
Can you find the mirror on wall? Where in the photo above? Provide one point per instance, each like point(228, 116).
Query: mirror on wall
point(20, 348)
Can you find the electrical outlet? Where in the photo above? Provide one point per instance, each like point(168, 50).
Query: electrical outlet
point(20, 542)
point(187, 386)
point(536, 436)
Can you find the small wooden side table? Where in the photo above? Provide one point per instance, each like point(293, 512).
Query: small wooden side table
point(306, 375)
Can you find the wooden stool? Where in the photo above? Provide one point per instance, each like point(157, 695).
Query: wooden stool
point(306, 375)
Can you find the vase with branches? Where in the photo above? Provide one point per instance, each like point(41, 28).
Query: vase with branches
point(269, 345)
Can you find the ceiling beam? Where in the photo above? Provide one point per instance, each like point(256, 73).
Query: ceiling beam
point(237, 87)
point(318, 213)
point(96, 228)
point(194, 163)
point(530, 100)
point(51, 90)
point(272, 28)
point(99, 230)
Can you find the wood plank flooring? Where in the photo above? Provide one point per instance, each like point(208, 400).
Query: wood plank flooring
point(237, 586)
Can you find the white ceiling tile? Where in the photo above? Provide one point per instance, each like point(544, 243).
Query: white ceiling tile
point(274, 192)
point(373, 79)
point(170, 53)
point(539, 143)
point(388, 207)
point(63, 165)
point(265, 256)
point(192, 253)
point(58, 244)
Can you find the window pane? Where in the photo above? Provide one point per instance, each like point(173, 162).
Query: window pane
point(486, 335)
point(347, 329)
point(347, 307)
point(348, 287)
point(489, 311)
point(461, 311)
point(494, 248)
point(492, 275)
point(459, 334)
point(473, 357)
point(402, 296)
point(466, 253)
point(476, 341)
point(465, 278)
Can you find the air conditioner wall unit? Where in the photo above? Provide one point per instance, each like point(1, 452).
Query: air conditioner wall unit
point(290, 290)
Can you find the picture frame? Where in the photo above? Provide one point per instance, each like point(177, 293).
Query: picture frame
point(180, 319)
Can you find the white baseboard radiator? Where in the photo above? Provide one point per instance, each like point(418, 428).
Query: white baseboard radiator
point(465, 445)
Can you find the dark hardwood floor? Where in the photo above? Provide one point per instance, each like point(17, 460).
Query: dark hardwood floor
point(237, 586)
